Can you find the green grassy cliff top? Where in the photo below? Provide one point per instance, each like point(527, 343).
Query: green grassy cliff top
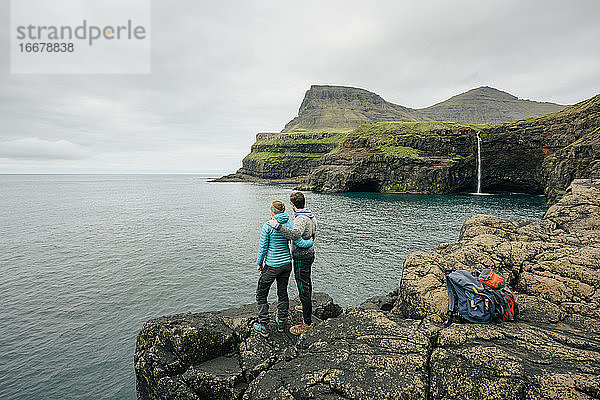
point(418, 128)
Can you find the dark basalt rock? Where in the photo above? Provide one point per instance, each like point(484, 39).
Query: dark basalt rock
point(324, 307)
point(398, 346)
point(167, 347)
point(375, 172)
point(382, 303)
point(360, 355)
point(284, 157)
point(213, 355)
point(239, 177)
point(515, 361)
point(219, 378)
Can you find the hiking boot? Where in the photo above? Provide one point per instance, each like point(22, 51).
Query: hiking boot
point(280, 324)
point(261, 329)
point(301, 328)
point(298, 307)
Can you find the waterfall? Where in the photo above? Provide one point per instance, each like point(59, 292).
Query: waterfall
point(478, 163)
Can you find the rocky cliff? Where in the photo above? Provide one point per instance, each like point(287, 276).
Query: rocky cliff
point(328, 113)
point(397, 346)
point(400, 157)
point(278, 156)
point(537, 155)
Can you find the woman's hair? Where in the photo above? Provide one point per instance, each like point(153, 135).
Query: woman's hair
point(277, 207)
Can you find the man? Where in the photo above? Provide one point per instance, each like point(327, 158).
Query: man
point(305, 227)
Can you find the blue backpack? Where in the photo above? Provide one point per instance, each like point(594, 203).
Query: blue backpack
point(468, 298)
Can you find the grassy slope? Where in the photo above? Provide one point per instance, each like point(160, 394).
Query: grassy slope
point(264, 156)
point(335, 138)
point(381, 130)
point(576, 108)
point(383, 135)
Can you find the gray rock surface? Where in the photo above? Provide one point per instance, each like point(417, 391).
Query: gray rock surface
point(360, 355)
point(213, 355)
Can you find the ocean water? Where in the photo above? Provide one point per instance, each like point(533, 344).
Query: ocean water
point(85, 260)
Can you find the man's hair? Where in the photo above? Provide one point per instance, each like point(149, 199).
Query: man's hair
point(297, 199)
point(277, 206)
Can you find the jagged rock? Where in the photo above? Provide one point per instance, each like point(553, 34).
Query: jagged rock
point(360, 355)
point(515, 361)
point(554, 260)
point(323, 306)
point(532, 155)
point(220, 378)
point(168, 346)
point(383, 303)
point(213, 355)
point(580, 159)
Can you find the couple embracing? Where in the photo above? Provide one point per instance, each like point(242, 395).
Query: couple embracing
point(275, 263)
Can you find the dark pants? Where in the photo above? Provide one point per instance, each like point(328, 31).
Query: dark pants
point(267, 276)
point(302, 268)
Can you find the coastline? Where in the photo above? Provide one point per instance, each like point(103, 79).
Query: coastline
point(237, 177)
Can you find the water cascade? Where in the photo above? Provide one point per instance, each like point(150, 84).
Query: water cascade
point(478, 163)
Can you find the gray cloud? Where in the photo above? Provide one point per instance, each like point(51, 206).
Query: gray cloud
point(35, 148)
point(223, 71)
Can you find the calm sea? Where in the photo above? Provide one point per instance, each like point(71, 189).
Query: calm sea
point(85, 260)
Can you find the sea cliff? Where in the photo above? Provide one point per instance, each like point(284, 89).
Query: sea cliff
point(285, 156)
point(398, 346)
point(538, 155)
point(349, 139)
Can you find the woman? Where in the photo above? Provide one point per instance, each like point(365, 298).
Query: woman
point(275, 264)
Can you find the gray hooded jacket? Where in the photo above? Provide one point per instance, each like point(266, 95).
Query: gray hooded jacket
point(305, 226)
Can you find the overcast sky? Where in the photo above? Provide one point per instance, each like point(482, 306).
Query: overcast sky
point(224, 70)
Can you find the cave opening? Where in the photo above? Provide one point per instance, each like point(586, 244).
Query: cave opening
point(364, 186)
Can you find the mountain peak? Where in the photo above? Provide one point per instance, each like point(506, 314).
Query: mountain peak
point(337, 88)
point(486, 104)
point(485, 92)
point(338, 108)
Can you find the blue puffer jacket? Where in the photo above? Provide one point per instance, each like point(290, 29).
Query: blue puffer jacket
point(273, 249)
